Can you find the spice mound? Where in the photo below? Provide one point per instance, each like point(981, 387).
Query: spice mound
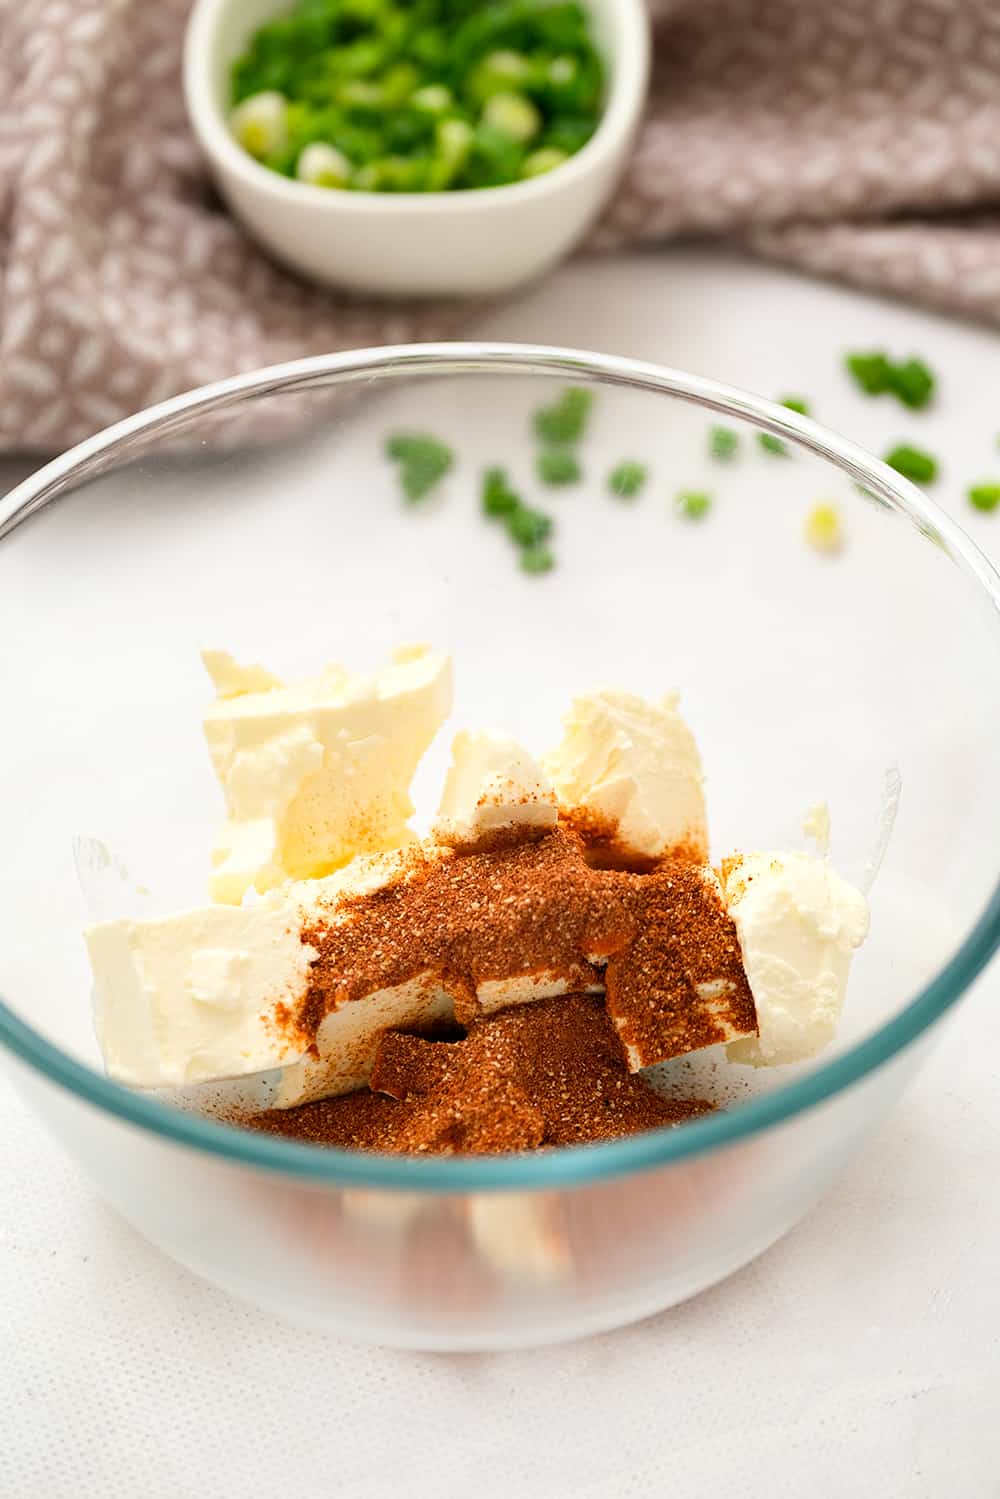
point(537, 1075)
point(561, 914)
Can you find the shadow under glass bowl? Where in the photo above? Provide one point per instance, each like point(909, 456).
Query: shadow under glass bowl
point(259, 514)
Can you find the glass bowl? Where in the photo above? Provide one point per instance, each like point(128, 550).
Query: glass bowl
point(259, 514)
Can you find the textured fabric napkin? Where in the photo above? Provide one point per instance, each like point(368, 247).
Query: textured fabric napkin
point(859, 139)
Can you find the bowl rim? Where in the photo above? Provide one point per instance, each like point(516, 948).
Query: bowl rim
point(565, 1166)
point(625, 99)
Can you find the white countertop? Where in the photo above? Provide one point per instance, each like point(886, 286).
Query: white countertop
point(860, 1357)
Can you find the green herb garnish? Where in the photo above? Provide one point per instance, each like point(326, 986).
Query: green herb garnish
point(537, 559)
point(422, 460)
point(556, 466)
point(694, 504)
point(909, 380)
point(527, 526)
point(498, 497)
point(913, 463)
point(565, 421)
point(985, 496)
point(913, 383)
point(723, 443)
point(627, 478)
point(873, 372)
point(775, 445)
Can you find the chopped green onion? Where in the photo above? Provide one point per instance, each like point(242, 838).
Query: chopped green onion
point(323, 166)
point(498, 498)
point(909, 380)
point(873, 372)
point(514, 114)
point(498, 73)
point(422, 460)
point(694, 504)
point(453, 140)
point(260, 123)
point(537, 559)
point(824, 529)
point(435, 98)
point(372, 78)
point(562, 70)
point(723, 443)
point(985, 496)
point(544, 160)
point(566, 419)
point(556, 466)
point(913, 383)
point(775, 445)
point(913, 463)
point(527, 526)
point(627, 479)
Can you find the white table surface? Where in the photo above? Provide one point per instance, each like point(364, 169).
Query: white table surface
point(860, 1357)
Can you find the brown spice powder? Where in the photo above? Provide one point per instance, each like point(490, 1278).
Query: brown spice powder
point(535, 907)
point(544, 1074)
point(683, 938)
point(539, 907)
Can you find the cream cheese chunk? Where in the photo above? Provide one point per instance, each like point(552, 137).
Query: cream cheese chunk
point(492, 785)
point(798, 924)
point(319, 771)
point(633, 765)
point(188, 998)
point(192, 997)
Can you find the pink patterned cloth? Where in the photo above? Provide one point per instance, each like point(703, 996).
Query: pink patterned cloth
point(856, 138)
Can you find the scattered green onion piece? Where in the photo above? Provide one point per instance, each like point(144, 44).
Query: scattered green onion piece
point(422, 459)
point(527, 526)
point(824, 529)
point(565, 420)
point(775, 445)
point(913, 463)
point(694, 504)
point(537, 559)
point(627, 478)
point(723, 443)
point(909, 380)
point(985, 496)
point(557, 466)
point(873, 372)
point(913, 383)
point(498, 498)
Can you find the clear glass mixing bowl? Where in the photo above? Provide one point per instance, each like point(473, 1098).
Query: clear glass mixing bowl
point(260, 514)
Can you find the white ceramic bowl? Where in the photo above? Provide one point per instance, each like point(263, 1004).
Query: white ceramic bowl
point(472, 243)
